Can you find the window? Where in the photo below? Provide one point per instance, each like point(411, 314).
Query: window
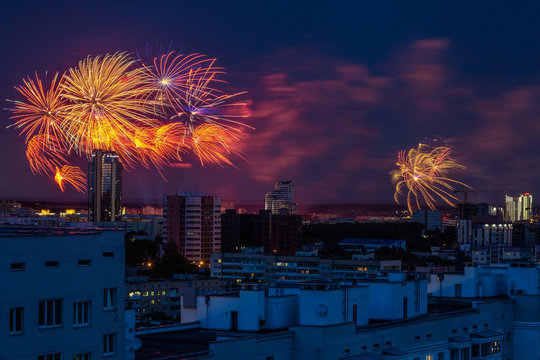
point(496, 347)
point(16, 320)
point(108, 254)
point(429, 357)
point(440, 356)
point(50, 313)
point(428, 337)
point(85, 262)
point(109, 299)
point(50, 356)
point(17, 267)
point(509, 337)
point(52, 264)
point(416, 338)
point(109, 341)
point(81, 313)
point(87, 356)
point(376, 346)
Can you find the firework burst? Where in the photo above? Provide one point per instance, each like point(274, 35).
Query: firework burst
point(151, 114)
point(423, 177)
point(41, 113)
point(72, 175)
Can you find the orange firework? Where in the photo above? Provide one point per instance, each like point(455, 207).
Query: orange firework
point(214, 145)
point(41, 113)
point(149, 114)
point(104, 107)
point(44, 154)
point(423, 176)
point(72, 175)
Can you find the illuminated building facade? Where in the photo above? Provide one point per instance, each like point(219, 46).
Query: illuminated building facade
point(281, 198)
point(193, 223)
point(104, 187)
point(518, 208)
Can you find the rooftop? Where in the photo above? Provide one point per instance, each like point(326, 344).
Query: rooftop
point(22, 231)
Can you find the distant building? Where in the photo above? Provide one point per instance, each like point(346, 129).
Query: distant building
point(432, 219)
point(356, 245)
point(104, 186)
point(275, 233)
point(62, 294)
point(281, 199)
point(518, 208)
point(272, 268)
point(148, 296)
point(193, 222)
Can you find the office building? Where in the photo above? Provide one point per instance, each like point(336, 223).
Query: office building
point(518, 208)
point(62, 294)
point(104, 187)
point(275, 233)
point(281, 199)
point(193, 222)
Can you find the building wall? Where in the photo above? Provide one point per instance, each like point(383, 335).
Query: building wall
point(418, 338)
point(71, 283)
point(193, 223)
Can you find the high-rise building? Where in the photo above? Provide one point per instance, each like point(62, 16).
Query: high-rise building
point(104, 186)
point(281, 198)
point(193, 223)
point(518, 208)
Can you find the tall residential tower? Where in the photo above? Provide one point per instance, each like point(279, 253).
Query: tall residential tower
point(104, 186)
point(193, 223)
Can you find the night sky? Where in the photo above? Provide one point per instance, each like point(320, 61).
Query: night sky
point(337, 89)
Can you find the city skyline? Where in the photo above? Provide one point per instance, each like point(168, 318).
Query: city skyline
point(331, 116)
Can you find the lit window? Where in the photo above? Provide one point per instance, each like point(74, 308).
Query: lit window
point(109, 299)
point(109, 341)
point(50, 313)
point(81, 313)
point(16, 320)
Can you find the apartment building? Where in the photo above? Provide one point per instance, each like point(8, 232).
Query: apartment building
point(62, 294)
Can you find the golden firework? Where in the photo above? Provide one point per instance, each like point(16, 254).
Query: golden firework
point(423, 177)
point(72, 175)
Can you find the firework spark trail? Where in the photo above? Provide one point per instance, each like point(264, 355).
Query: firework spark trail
point(149, 114)
point(214, 145)
point(168, 77)
point(41, 113)
point(44, 154)
point(72, 175)
point(105, 107)
point(423, 176)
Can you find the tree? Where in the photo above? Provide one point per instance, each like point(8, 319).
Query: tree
point(171, 262)
point(139, 252)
